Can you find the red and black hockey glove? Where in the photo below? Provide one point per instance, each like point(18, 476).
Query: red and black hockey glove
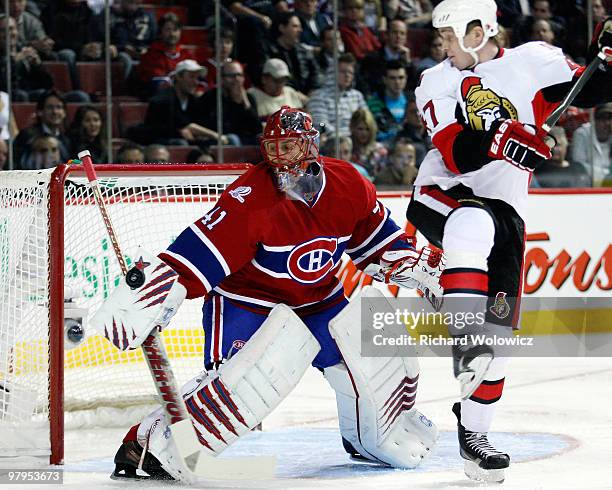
point(517, 143)
point(602, 40)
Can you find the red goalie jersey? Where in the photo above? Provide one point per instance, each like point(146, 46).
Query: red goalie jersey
point(261, 248)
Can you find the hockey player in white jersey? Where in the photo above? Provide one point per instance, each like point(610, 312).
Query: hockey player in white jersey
point(483, 107)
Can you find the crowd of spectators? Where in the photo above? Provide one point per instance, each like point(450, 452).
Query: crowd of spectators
point(273, 53)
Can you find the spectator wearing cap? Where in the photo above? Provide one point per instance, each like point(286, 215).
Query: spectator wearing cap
point(174, 115)
point(313, 23)
point(591, 144)
point(321, 103)
point(240, 122)
point(357, 37)
point(285, 45)
point(374, 63)
point(559, 171)
point(162, 56)
point(274, 92)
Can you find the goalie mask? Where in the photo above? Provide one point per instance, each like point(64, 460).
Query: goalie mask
point(290, 147)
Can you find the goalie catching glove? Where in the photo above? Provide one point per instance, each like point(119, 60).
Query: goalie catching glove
point(128, 316)
point(412, 269)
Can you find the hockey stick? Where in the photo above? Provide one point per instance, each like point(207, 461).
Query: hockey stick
point(179, 422)
point(554, 116)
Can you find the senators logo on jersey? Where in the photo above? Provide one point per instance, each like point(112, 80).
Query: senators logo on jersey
point(311, 261)
point(483, 106)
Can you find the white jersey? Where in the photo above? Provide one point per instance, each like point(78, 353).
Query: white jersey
point(509, 87)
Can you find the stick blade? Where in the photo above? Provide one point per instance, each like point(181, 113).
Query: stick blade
point(256, 468)
point(186, 443)
point(204, 466)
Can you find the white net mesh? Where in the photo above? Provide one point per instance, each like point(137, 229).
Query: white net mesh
point(146, 210)
point(24, 313)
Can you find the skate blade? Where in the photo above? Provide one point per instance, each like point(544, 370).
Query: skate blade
point(471, 379)
point(475, 472)
point(135, 476)
point(358, 458)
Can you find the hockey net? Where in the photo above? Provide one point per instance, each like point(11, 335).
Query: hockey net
point(57, 266)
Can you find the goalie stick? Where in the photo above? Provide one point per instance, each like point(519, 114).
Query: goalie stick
point(179, 422)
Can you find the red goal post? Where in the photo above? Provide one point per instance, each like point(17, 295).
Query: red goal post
point(56, 267)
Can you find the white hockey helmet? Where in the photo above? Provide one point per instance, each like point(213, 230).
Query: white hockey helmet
point(457, 14)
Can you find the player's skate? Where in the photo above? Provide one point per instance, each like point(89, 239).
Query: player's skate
point(482, 461)
point(131, 461)
point(470, 364)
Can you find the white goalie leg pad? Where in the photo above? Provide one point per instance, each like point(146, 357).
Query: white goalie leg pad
point(227, 403)
point(129, 315)
point(376, 395)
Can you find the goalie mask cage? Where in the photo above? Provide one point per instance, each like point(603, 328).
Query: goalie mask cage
point(57, 266)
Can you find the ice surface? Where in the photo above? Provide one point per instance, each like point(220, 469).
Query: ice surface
point(554, 420)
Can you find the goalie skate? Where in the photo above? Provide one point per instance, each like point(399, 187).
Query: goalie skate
point(131, 461)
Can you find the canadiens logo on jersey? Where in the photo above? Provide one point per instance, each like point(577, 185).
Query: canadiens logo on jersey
point(483, 105)
point(311, 261)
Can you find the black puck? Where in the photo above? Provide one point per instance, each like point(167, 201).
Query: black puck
point(135, 278)
point(74, 333)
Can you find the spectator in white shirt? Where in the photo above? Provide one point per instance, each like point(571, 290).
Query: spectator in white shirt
point(274, 91)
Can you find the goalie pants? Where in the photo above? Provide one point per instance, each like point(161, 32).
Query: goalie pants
point(228, 325)
point(441, 216)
